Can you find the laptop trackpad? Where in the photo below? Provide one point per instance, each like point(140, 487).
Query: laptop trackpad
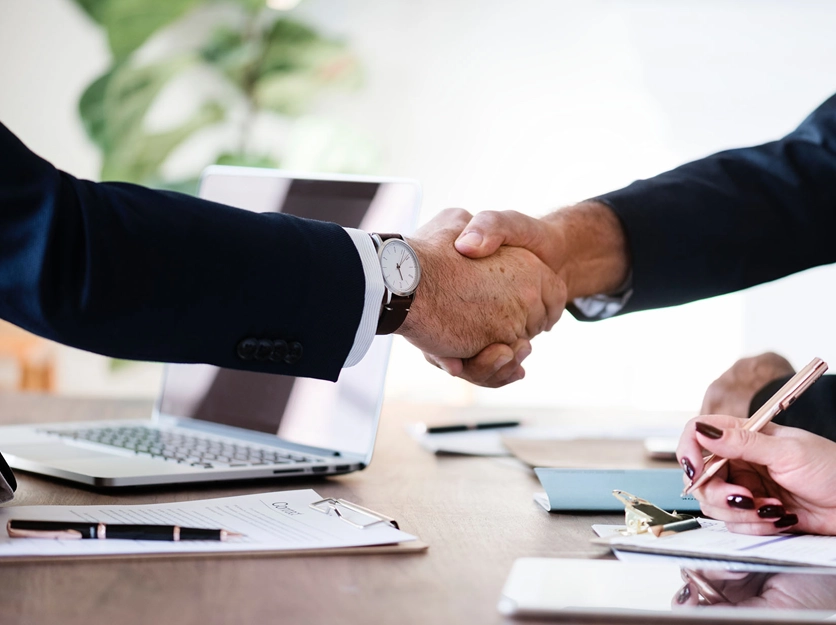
point(90, 461)
point(52, 451)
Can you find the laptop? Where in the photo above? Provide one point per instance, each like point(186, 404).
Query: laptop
point(211, 423)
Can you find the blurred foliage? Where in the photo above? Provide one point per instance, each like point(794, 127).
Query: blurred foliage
point(273, 64)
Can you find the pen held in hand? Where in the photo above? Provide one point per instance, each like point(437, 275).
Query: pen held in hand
point(70, 530)
point(776, 404)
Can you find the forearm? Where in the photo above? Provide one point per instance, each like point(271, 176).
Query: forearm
point(592, 255)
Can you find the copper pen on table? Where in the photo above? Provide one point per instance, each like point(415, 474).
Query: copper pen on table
point(18, 528)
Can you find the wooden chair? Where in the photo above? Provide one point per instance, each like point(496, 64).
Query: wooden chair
point(33, 357)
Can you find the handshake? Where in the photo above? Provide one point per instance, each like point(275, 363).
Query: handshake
point(492, 282)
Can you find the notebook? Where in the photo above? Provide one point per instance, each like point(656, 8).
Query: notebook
point(211, 423)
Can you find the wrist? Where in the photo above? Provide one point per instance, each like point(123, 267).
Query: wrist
point(595, 257)
point(415, 320)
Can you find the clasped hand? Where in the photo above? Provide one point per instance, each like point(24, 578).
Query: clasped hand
point(464, 305)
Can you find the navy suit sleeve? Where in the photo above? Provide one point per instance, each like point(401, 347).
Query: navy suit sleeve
point(133, 273)
point(735, 219)
point(814, 411)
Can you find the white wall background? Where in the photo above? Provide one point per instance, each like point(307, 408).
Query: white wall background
point(527, 105)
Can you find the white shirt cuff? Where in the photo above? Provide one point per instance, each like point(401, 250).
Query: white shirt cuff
point(599, 307)
point(374, 296)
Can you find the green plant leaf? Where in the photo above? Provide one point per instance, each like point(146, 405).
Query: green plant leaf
point(187, 186)
point(91, 108)
point(254, 6)
point(297, 64)
point(138, 156)
point(129, 23)
point(246, 160)
point(131, 91)
point(114, 106)
point(234, 55)
point(93, 8)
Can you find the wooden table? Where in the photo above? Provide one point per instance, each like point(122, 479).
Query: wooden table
point(477, 515)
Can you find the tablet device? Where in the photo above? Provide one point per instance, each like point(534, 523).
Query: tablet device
point(566, 589)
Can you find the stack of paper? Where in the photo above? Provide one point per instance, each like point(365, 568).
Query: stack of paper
point(279, 522)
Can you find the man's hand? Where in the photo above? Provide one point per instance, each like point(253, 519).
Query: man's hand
point(464, 305)
point(585, 247)
point(732, 392)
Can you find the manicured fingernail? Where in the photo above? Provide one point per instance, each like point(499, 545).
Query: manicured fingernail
point(501, 361)
point(688, 468)
point(771, 512)
point(684, 594)
point(472, 238)
point(524, 353)
point(787, 520)
point(741, 502)
point(709, 430)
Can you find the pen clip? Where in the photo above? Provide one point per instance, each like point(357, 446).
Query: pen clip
point(56, 534)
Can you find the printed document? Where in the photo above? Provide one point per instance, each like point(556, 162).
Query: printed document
point(279, 521)
point(714, 541)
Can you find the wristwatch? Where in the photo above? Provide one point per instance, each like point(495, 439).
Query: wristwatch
point(401, 275)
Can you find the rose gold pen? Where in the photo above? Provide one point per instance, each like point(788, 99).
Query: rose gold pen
point(779, 402)
point(710, 594)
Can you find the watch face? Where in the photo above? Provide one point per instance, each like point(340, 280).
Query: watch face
point(401, 270)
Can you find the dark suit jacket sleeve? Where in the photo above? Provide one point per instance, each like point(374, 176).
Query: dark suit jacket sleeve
point(814, 411)
point(133, 273)
point(734, 219)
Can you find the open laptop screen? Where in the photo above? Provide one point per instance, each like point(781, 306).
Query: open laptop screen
point(338, 416)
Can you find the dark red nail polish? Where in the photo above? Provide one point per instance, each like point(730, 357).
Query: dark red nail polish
point(684, 594)
point(688, 468)
point(771, 512)
point(787, 520)
point(741, 502)
point(709, 430)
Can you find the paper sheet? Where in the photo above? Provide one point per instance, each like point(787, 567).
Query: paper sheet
point(610, 531)
point(714, 541)
point(489, 442)
point(278, 521)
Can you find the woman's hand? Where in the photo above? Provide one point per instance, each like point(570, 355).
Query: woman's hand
point(721, 588)
point(776, 480)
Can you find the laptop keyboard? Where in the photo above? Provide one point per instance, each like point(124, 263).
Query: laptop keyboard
point(185, 448)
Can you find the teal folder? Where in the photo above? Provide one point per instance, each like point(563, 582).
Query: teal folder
point(591, 489)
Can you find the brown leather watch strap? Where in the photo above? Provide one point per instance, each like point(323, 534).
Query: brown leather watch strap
point(385, 236)
point(393, 313)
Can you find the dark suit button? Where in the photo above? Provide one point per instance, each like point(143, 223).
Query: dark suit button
point(279, 350)
point(294, 352)
point(264, 349)
point(246, 349)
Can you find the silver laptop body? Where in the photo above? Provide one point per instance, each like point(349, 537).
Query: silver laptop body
point(214, 424)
